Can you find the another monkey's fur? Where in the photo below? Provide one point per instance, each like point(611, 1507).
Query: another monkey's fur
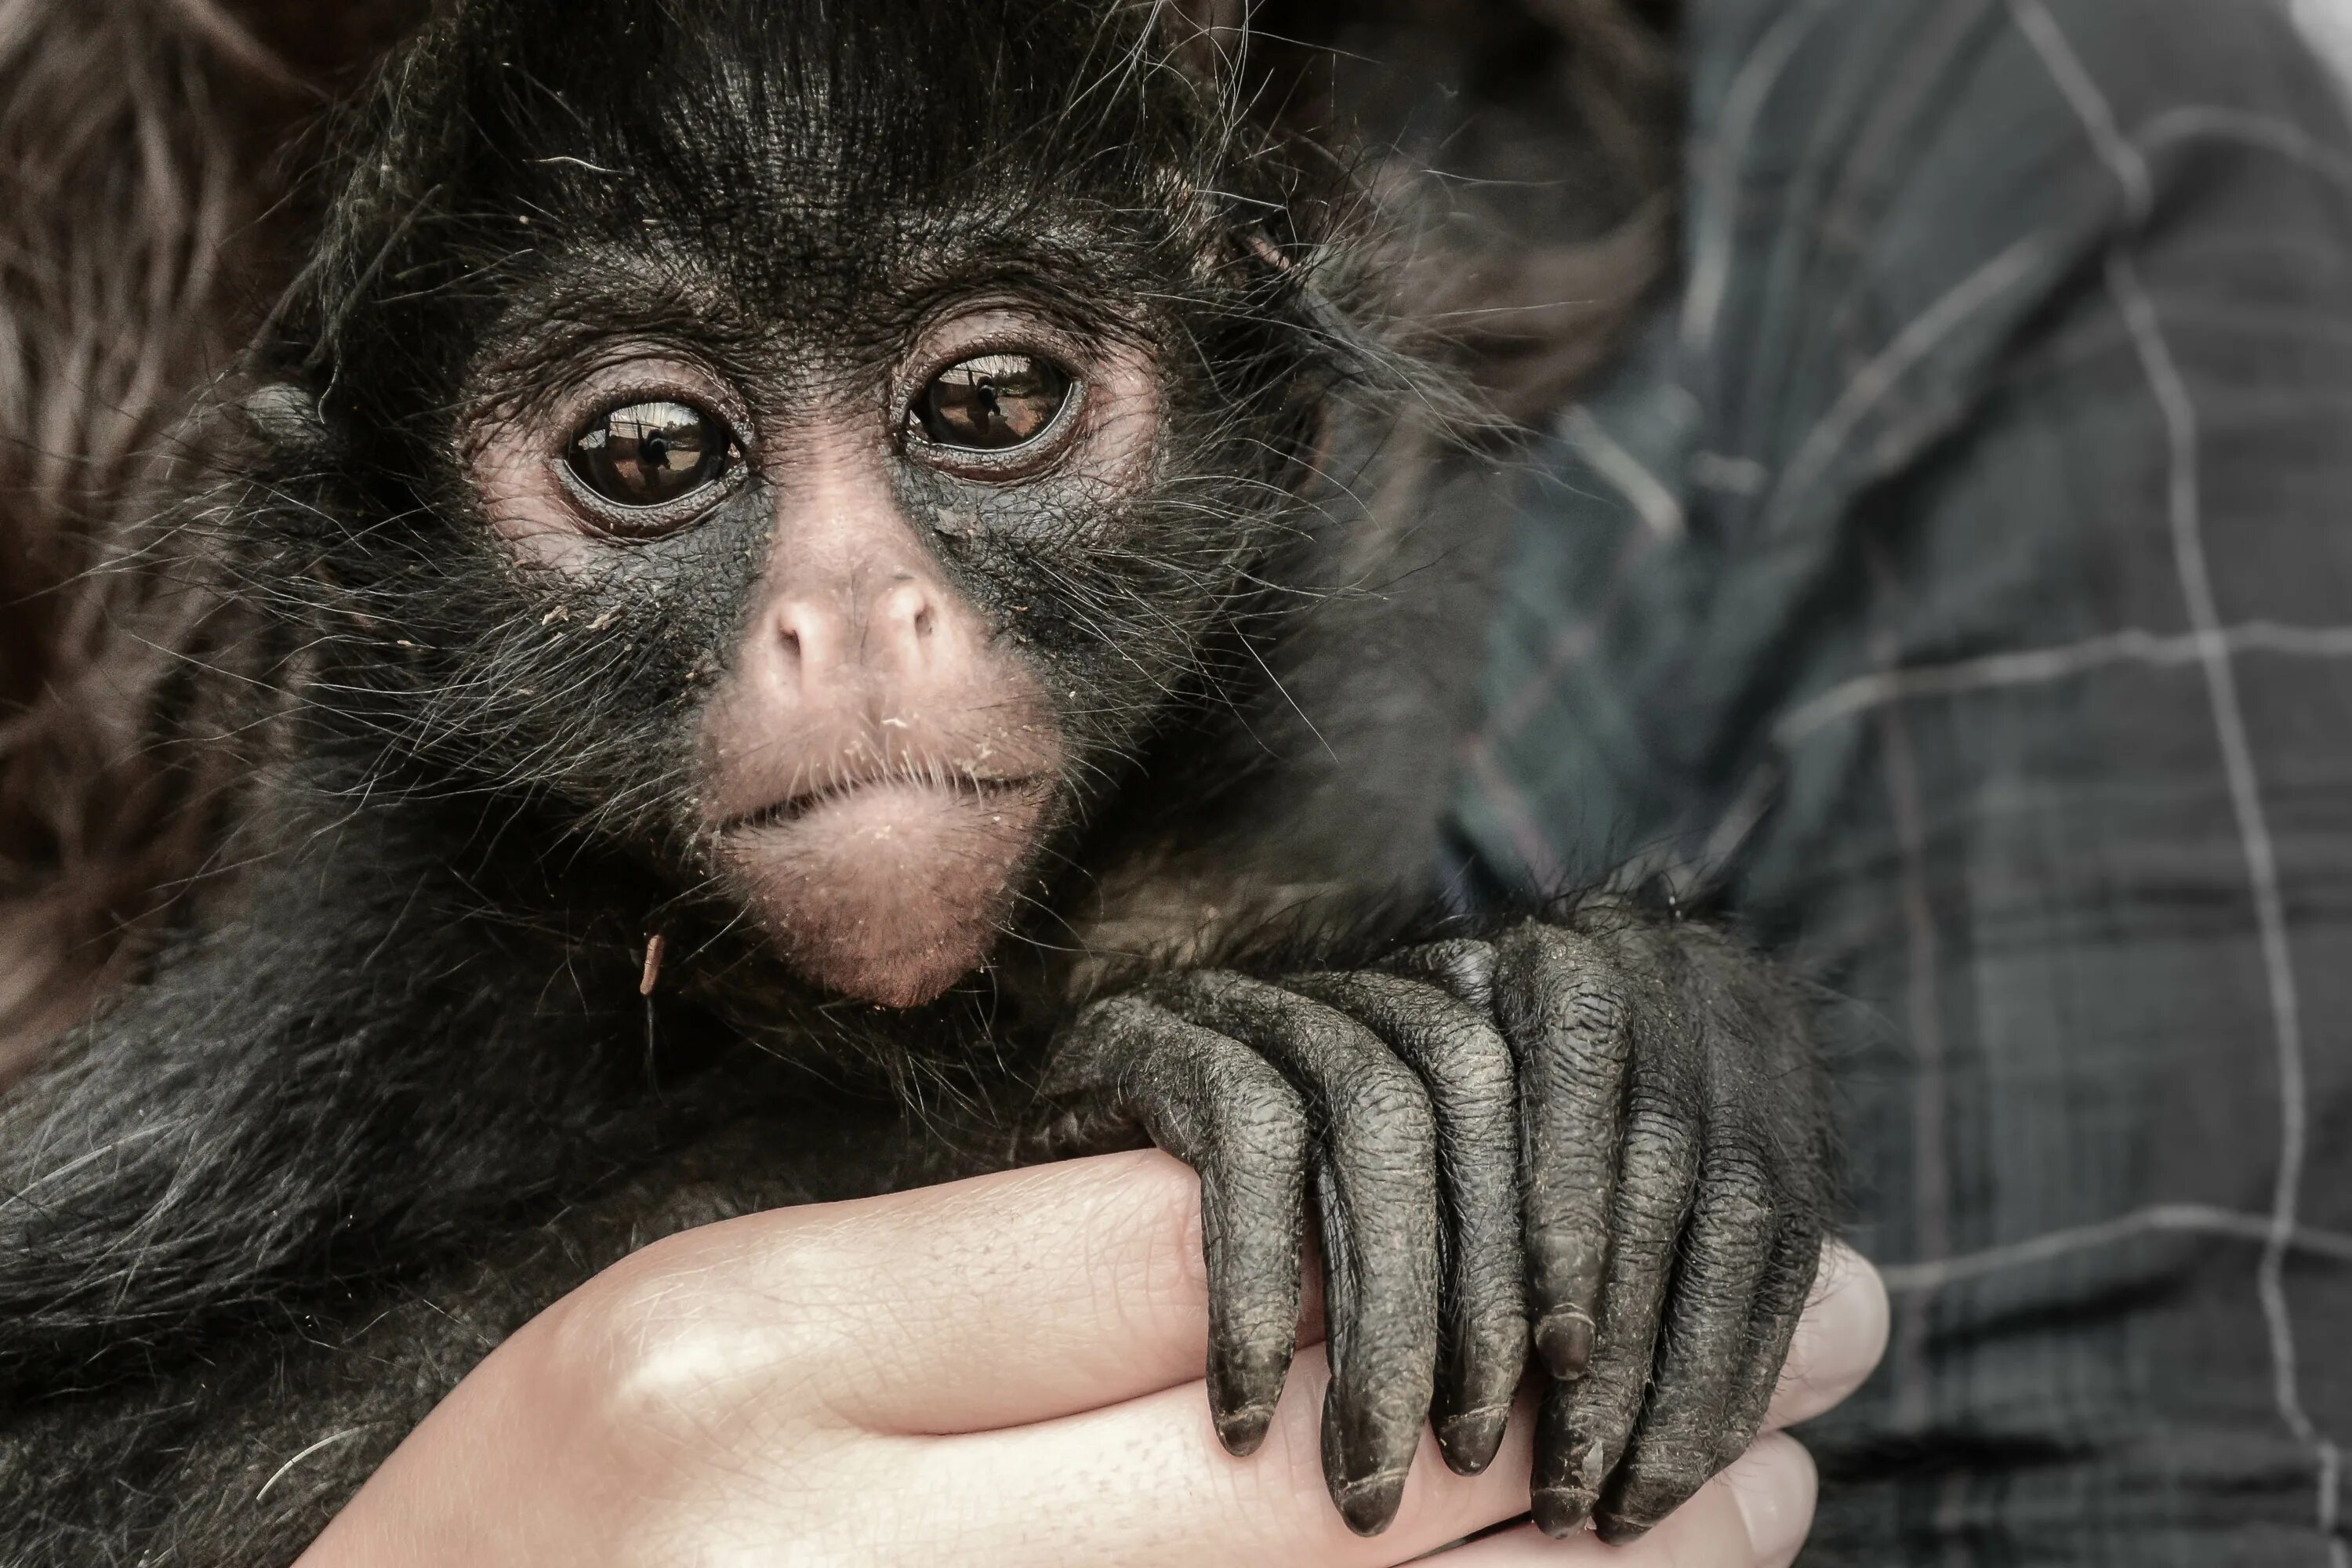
point(400, 1088)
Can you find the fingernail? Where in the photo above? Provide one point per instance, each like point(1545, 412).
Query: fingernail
point(1468, 1441)
point(1564, 1341)
point(1245, 1385)
point(1559, 1513)
point(1617, 1532)
point(1369, 1505)
point(1241, 1431)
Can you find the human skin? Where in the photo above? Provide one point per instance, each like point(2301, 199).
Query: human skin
point(1004, 1371)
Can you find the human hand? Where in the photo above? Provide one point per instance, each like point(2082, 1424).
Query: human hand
point(1003, 1370)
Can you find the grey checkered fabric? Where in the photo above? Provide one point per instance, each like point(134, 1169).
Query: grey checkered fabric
point(1962, 571)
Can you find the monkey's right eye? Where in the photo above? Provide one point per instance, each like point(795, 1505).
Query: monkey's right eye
point(650, 453)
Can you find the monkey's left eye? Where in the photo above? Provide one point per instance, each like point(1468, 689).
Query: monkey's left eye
point(649, 454)
point(991, 403)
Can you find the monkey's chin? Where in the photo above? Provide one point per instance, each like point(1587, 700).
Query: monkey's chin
point(889, 892)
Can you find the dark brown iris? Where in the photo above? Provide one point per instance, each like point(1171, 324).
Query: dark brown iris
point(644, 453)
point(992, 402)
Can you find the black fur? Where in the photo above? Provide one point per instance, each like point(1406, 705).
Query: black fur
point(419, 1028)
point(261, 1213)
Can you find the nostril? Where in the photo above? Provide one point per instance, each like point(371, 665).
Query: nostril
point(806, 635)
point(910, 609)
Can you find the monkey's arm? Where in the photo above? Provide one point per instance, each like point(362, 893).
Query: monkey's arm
point(239, 1460)
point(335, 1083)
point(1604, 1126)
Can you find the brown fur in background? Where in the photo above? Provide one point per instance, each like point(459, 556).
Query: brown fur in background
point(143, 235)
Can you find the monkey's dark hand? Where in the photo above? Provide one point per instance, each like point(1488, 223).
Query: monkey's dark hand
point(1607, 1129)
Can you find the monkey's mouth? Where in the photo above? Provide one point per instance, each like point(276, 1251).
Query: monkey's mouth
point(975, 789)
point(891, 887)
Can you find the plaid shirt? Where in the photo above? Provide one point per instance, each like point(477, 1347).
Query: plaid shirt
point(1961, 572)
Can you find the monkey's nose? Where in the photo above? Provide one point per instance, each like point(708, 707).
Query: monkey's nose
point(830, 639)
point(906, 617)
point(811, 635)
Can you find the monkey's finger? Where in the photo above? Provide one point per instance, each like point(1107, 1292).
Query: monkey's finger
point(1582, 1430)
point(1465, 1064)
point(1558, 996)
point(1781, 1298)
point(1377, 1201)
point(1463, 967)
point(1708, 1394)
point(1222, 1110)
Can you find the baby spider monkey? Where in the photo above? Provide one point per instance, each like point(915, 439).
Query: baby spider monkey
point(794, 544)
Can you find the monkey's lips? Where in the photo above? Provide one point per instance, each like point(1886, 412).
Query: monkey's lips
point(887, 889)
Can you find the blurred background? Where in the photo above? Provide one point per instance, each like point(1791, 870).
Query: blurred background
point(2330, 22)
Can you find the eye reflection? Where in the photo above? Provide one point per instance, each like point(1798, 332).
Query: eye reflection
point(644, 453)
point(991, 402)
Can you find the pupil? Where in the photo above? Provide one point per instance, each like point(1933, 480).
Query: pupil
point(992, 402)
point(649, 453)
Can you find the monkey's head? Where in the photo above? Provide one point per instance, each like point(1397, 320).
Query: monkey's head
point(806, 446)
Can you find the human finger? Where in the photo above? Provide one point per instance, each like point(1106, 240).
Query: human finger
point(1838, 1341)
point(1002, 1300)
point(1754, 1515)
point(1145, 1484)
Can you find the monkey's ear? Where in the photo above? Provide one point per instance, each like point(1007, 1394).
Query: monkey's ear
point(285, 419)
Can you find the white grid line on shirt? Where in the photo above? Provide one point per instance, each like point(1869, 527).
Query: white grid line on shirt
point(2186, 516)
point(2196, 1219)
point(1876, 381)
point(2191, 121)
point(2043, 665)
point(1716, 212)
point(1660, 509)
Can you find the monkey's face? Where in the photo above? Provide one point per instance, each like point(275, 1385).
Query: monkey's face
point(813, 486)
point(877, 747)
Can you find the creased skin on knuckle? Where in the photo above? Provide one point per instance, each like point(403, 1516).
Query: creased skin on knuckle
point(649, 1357)
point(1253, 1124)
point(1660, 1167)
point(1452, 1045)
point(1559, 1007)
point(1461, 966)
point(1736, 1197)
point(1389, 1112)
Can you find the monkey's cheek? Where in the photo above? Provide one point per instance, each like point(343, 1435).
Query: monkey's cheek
point(892, 892)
